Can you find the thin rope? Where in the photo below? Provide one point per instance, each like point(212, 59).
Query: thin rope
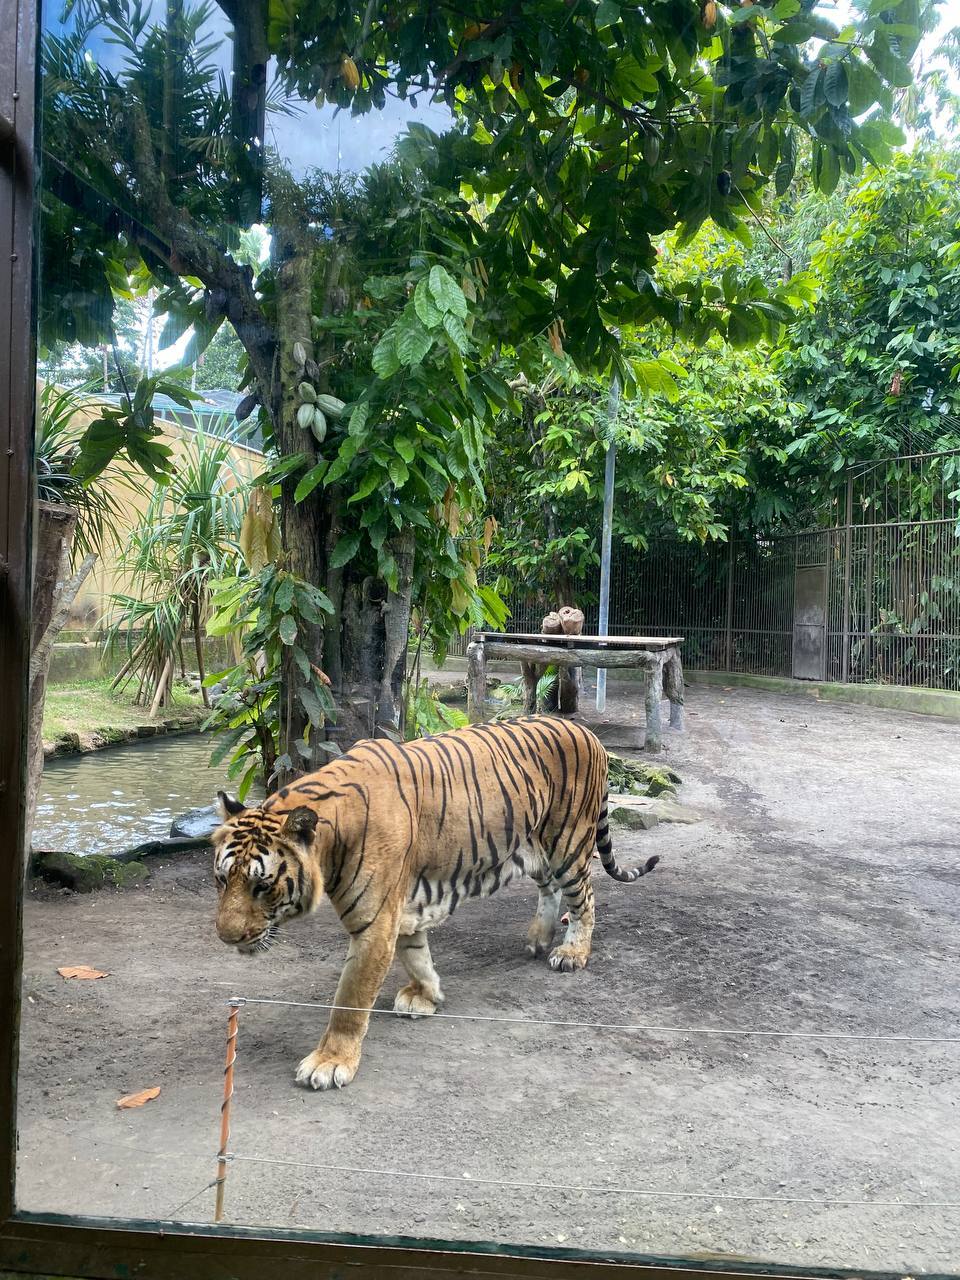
point(589, 1189)
point(190, 1199)
point(652, 1029)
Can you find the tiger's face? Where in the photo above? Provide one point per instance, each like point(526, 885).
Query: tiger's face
point(263, 870)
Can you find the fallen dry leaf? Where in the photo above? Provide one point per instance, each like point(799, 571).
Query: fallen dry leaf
point(138, 1099)
point(80, 971)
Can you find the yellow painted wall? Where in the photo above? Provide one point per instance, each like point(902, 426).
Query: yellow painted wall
point(107, 578)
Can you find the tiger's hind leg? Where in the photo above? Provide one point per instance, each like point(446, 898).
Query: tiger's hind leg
point(420, 997)
point(544, 923)
point(574, 951)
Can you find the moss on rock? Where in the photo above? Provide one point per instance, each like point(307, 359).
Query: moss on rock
point(83, 874)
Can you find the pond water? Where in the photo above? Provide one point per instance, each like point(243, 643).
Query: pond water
point(109, 800)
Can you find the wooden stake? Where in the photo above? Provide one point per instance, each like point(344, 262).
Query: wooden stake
point(225, 1108)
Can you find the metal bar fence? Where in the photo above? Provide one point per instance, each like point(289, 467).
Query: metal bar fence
point(890, 575)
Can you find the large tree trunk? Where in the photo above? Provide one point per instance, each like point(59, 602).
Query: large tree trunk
point(54, 591)
point(303, 523)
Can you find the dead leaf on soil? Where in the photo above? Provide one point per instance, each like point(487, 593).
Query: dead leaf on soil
point(138, 1099)
point(81, 971)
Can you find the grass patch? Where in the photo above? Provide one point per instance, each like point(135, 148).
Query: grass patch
point(88, 709)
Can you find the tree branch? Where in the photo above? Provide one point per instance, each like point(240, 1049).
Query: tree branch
point(193, 252)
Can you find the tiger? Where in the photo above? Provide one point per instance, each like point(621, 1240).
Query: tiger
point(397, 835)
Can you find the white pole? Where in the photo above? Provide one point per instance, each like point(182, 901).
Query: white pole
point(606, 535)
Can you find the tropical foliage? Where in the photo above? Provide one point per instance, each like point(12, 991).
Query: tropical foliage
point(397, 319)
point(186, 541)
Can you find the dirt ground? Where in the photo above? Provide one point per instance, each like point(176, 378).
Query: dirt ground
point(820, 893)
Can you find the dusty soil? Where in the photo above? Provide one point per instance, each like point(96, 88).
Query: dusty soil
point(820, 893)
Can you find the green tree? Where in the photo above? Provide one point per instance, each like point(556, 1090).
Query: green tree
point(580, 133)
point(876, 364)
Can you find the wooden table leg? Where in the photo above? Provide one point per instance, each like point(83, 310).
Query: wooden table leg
point(476, 682)
point(673, 687)
point(653, 740)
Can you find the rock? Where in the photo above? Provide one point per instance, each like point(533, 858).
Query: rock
point(634, 818)
point(163, 847)
point(146, 730)
point(643, 812)
point(84, 874)
point(196, 823)
point(125, 874)
point(669, 810)
point(456, 692)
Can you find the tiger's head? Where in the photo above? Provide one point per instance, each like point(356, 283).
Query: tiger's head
point(264, 871)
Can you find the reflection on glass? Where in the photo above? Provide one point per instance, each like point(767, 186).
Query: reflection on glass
point(346, 311)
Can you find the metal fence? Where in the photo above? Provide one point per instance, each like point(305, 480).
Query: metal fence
point(875, 598)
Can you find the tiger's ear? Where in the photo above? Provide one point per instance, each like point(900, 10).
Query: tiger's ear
point(301, 823)
point(229, 808)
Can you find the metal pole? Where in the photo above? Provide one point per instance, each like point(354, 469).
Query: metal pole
point(221, 1183)
point(606, 536)
point(728, 620)
point(847, 572)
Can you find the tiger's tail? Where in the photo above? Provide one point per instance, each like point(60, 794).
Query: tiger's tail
point(607, 857)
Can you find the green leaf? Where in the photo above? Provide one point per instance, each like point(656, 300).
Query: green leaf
point(311, 705)
point(385, 360)
point(367, 485)
point(808, 94)
point(302, 661)
point(309, 482)
point(455, 331)
point(345, 550)
point(426, 308)
point(399, 472)
point(405, 448)
point(358, 419)
point(607, 14)
point(284, 596)
point(412, 342)
point(446, 292)
point(835, 85)
point(288, 628)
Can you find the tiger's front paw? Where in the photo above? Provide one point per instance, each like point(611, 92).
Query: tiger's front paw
point(321, 1070)
point(416, 1001)
point(566, 958)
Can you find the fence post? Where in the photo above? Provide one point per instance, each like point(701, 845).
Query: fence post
point(606, 534)
point(847, 574)
point(728, 635)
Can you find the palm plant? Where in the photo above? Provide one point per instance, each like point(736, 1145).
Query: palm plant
point(188, 538)
point(61, 417)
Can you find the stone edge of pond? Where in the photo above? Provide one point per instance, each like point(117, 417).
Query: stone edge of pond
point(124, 870)
point(81, 744)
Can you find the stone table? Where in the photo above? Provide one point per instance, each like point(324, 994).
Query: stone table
point(657, 656)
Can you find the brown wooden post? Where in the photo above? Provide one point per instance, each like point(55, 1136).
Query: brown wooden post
point(673, 687)
point(570, 679)
point(532, 671)
point(653, 740)
point(18, 46)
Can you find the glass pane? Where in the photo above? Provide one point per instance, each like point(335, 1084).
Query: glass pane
point(369, 332)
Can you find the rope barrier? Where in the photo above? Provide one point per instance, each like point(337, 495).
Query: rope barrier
point(589, 1189)
point(226, 1157)
point(648, 1028)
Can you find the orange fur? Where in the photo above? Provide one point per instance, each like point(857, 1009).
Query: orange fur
point(397, 835)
